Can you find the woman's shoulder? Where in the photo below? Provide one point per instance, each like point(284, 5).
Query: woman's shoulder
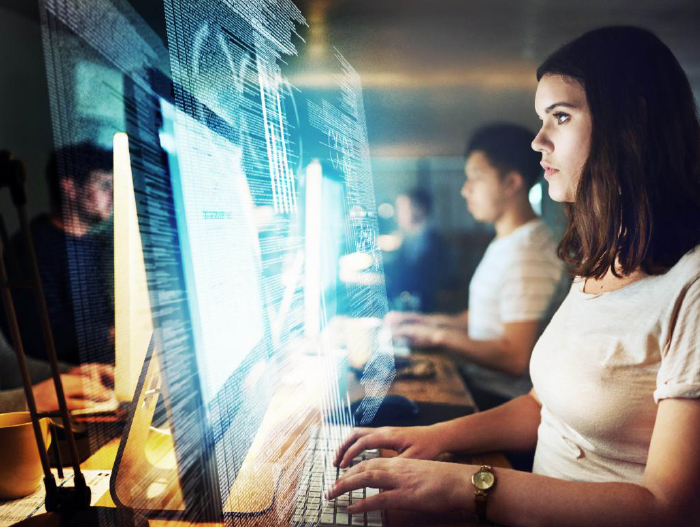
point(687, 269)
point(662, 287)
point(669, 288)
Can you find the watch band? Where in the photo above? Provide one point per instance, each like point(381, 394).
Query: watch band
point(483, 481)
point(480, 503)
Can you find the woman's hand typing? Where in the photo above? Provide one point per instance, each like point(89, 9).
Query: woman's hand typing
point(418, 442)
point(427, 486)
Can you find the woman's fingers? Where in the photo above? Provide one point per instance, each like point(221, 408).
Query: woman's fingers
point(371, 464)
point(355, 449)
point(414, 484)
point(372, 475)
point(381, 438)
point(389, 499)
point(411, 453)
point(348, 442)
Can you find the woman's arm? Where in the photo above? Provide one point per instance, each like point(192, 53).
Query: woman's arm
point(510, 426)
point(666, 497)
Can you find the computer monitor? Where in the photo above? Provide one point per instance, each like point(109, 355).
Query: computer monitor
point(219, 248)
point(133, 321)
point(324, 238)
point(201, 267)
point(220, 258)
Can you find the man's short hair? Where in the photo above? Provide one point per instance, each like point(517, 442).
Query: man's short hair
point(77, 162)
point(508, 147)
point(421, 198)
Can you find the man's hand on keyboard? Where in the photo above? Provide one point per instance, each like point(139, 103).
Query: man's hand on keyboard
point(428, 486)
point(420, 335)
point(419, 442)
point(101, 376)
point(83, 386)
point(397, 318)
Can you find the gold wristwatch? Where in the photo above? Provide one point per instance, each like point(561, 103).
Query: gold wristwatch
point(483, 480)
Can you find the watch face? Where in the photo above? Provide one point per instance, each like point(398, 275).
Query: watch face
point(483, 480)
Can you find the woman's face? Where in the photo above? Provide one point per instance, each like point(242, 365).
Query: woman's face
point(564, 140)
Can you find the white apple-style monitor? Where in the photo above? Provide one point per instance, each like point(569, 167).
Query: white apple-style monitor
point(133, 323)
point(324, 239)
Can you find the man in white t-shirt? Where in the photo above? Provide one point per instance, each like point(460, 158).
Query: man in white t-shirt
point(518, 282)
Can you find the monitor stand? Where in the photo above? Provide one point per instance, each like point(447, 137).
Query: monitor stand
point(146, 477)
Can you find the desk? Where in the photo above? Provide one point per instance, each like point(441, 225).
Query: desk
point(445, 387)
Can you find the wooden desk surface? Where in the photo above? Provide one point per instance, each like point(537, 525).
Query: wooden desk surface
point(445, 387)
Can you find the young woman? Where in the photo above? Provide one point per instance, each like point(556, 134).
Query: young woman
point(614, 414)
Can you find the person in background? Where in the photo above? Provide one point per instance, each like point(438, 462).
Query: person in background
point(615, 409)
point(75, 256)
point(414, 271)
point(516, 286)
point(83, 385)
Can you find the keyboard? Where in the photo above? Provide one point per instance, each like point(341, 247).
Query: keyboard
point(318, 474)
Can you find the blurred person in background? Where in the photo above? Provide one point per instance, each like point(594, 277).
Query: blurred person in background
point(414, 272)
point(517, 284)
point(74, 252)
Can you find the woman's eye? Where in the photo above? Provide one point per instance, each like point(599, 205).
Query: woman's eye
point(562, 117)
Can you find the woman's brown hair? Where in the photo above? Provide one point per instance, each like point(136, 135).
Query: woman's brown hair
point(637, 203)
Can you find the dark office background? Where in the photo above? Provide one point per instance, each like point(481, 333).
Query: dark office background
point(432, 72)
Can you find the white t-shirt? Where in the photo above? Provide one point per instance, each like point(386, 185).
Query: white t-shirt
point(516, 281)
point(604, 362)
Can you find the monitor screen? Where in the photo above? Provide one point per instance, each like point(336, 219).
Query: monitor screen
point(325, 243)
point(219, 246)
point(220, 265)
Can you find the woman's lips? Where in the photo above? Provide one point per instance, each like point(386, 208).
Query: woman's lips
point(549, 172)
